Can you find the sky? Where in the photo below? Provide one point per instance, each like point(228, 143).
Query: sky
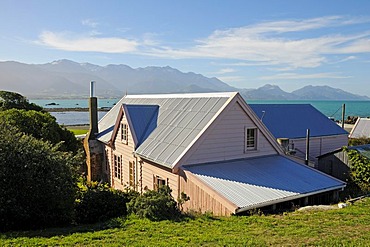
point(246, 44)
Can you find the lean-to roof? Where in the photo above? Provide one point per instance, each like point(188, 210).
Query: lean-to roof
point(258, 182)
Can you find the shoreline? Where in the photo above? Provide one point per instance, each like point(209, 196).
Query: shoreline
point(76, 109)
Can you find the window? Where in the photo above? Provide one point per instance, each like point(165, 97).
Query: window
point(124, 133)
point(117, 166)
point(132, 173)
point(250, 139)
point(158, 182)
point(106, 160)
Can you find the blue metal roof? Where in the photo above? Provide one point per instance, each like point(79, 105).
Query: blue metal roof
point(293, 120)
point(258, 182)
point(144, 120)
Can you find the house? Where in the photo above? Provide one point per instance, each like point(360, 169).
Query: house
point(361, 128)
point(291, 121)
point(210, 146)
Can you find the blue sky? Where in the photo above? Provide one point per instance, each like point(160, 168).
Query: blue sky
point(244, 43)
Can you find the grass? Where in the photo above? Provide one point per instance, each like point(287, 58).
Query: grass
point(340, 227)
point(78, 130)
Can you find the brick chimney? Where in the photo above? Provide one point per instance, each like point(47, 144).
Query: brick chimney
point(93, 148)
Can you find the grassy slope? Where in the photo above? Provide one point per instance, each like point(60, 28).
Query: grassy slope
point(348, 227)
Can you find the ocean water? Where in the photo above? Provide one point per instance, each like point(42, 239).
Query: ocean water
point(332, 108)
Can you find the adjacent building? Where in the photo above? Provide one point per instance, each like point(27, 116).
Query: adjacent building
point(289, 122)
point(361, 129)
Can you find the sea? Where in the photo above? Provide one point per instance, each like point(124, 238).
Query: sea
point(330, 108)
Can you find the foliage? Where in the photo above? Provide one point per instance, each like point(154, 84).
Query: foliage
point(183, 197)
point(360, 169)
point(40, 125)
point(11, 100)
point(37, 182)
point(98, 202)
point(340, 227)
point(155, 205)
point(358, 141)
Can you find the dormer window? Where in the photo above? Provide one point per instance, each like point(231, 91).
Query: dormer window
point(250, 139)
point(124, 133)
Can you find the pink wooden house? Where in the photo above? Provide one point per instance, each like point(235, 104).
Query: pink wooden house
point(211, 146)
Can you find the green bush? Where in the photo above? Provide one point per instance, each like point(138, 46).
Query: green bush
point(155, 205)
point(98, 202)
point(358, 141)
point(37, 182)
point(40, 125)
point(360, 169)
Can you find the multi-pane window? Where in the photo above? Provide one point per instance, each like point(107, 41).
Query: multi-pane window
point(158, 182)
point(106, 160)
point(250, 138)
point(118, 166)
point(124, 133)
point(132, 173)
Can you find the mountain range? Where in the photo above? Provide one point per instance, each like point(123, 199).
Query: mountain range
point(69, 79)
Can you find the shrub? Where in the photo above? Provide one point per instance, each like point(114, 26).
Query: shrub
point(358, 141)
point(360, 169)
point(155, 205)
point(98, 202)
point(37, 182)
point(40, 125)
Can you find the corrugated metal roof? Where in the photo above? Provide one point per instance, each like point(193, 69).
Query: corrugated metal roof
point(361, 128)
point(181, 117)
point(362, 149)
point(293, 120)
point(252, 183)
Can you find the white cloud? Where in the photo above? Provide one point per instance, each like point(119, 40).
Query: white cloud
point(293, 76)
point(89, 23)
point(61, 41)
point(231, 79)
point(225, 71)
point(268, 43)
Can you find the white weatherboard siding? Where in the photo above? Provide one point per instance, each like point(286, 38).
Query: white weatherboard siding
point(225, 139)
point(319, 145)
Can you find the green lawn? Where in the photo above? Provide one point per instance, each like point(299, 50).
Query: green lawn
point(339, 227)
point(78, 131)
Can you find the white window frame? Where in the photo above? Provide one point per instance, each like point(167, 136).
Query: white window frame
point(117, 166)
point(124, 133)
point(251, 141)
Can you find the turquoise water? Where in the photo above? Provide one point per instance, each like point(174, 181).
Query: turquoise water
point(332, 108)
point(329, 108)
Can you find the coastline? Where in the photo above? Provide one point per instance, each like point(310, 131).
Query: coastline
point(76, 109)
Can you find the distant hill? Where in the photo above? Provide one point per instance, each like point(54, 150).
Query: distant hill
point(68, 79)
point(325, 93)
point(273, 92)
point(65, 78)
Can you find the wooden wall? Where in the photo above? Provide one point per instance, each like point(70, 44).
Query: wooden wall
point(202, 198)
point(225, 139)
point(319, 145)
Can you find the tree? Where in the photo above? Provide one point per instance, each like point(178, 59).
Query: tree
point(11, 100)
point(37, 182)
point(40, 125)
